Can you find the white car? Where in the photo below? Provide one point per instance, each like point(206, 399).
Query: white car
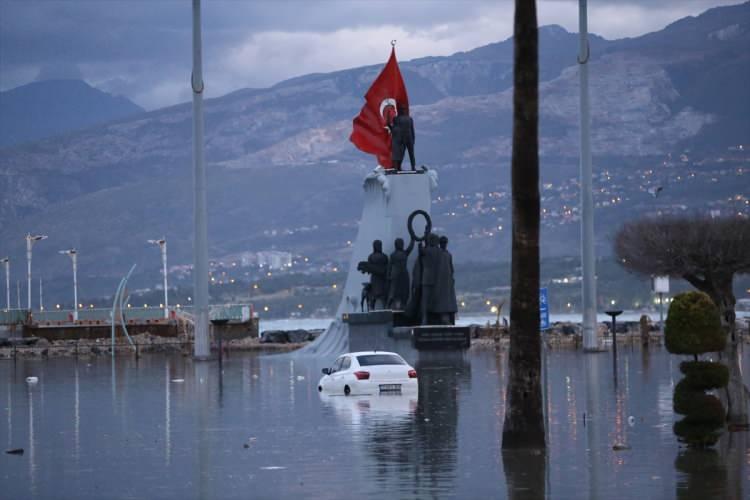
point(367, 373)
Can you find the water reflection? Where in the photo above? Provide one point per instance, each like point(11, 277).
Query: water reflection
point(167, 416)
point(525, 474)
point(32, 441)
point(411, 440)
point(202, 395)
point(703, 475)
point(162, 439)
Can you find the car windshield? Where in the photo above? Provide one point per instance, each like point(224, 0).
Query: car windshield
point(379, 359)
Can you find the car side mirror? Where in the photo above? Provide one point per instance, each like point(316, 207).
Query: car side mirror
point(326, 371)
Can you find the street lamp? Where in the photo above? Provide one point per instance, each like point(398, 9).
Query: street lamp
point(73, 254)
point(163, 247)
point(30, 240)
point(6, 261)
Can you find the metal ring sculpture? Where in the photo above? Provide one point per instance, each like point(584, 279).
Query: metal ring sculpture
point(428, 226)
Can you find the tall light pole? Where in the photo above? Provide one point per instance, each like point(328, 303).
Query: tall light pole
point(163, 247)
point(6, 261)
point(30, 240)
point(73, 254)
point(588, 281)
point(200, 247)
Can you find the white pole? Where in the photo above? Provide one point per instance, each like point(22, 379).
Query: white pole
point(163, 246)
point(18, 294)
point(661, 312)
point(590, 341)
point(200, 263)
point(41, 296)
point(28, 271)
point(74, 256)
point(6, 261)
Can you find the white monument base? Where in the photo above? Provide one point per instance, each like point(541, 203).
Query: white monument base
point(388, 202)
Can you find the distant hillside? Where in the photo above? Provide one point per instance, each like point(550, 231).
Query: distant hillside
point(55, 107)
point(280, 162)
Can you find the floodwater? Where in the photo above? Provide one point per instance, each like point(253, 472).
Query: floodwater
point(166, 427)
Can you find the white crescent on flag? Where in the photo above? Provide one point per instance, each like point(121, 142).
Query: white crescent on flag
point(389, 101)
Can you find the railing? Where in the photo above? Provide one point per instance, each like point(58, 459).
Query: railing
point(12, 316)
point(236, 313)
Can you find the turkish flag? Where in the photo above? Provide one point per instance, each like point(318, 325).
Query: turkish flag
point(386, 94)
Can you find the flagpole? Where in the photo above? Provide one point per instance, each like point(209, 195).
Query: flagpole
point(200, 244)
point(588, 281)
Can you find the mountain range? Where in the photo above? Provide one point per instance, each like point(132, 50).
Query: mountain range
point(49, 108)
point(279, 159)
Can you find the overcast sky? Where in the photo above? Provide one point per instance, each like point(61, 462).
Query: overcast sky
point(141, 49)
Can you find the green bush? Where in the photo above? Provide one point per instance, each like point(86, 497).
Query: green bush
point(705, 375)
point(696, 435)
point(693, 325)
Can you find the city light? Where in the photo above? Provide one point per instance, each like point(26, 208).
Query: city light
point(265, 308)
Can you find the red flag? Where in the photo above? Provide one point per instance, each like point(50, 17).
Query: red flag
point(386, 94)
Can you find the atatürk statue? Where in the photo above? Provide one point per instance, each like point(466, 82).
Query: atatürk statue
point(377, 267)
point(398, 275)
point(402, 138)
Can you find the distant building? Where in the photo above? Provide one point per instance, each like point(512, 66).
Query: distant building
point(272, 259)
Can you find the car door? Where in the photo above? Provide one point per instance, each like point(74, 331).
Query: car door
point(343, 373)
point(335, 385)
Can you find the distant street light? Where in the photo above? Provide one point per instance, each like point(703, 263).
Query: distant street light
point(163, 247)
point(73, 254)
point(6, 261)
point(30, 240)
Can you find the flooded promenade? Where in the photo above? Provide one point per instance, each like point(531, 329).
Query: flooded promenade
point(166, 427)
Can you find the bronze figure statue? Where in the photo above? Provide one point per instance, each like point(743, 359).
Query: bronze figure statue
point(376, 266)
point(398, 275)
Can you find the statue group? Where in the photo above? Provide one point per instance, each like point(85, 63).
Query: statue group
point(428, 296)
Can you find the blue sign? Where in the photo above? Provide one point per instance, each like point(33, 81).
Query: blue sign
point(543, 309)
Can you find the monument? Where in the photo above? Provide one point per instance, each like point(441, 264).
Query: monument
point(393, 201)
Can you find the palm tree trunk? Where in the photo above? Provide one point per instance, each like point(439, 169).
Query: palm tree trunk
point(734, 396)
point(524, 419)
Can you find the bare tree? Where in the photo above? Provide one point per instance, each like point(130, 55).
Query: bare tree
point(524, 419)
point(707, 253)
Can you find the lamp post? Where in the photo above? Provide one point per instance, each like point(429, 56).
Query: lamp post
point(30, 240)
point(6, 261)
point(163, 247)
point(73, 254)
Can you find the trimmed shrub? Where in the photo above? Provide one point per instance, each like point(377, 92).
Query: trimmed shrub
point(705, 375)
point(693, 327)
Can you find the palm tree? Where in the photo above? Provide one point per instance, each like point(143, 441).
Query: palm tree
point(524, 419)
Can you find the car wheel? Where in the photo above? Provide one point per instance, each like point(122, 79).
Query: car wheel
point(347, 390)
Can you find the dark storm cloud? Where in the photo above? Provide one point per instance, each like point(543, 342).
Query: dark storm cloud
point(141, 49)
